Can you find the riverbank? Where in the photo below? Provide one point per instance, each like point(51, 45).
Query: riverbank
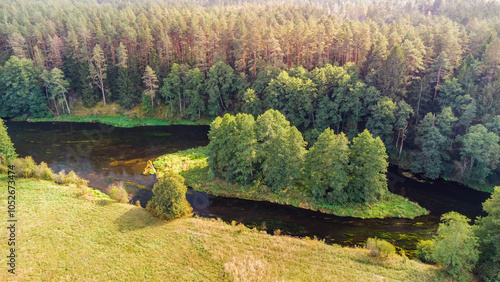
point(192, 165)
point(113, 114)
point(70, 236)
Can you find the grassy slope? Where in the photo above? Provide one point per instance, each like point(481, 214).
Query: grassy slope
point(193, 166)
point(65, 236)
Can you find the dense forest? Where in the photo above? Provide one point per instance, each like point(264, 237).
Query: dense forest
point(424, 76)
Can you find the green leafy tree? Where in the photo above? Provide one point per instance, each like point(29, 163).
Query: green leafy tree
point(382, 119)
point(281, 150)
point(245, 156)
point(20, 94)
point(327, 167)
point(251, 103)
point(169, 197)
point(489, 238)
point(480, 153)
point(172, 89)
point(368, 165)
point(456, 246)
point(221, 87)
point(56, 87)
point(193, 91)
point(6, 147)
point(222, 146)
point(431, 159)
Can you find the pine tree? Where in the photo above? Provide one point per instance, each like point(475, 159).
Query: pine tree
point(98, 70)
point(151, 83)
point(391, 76)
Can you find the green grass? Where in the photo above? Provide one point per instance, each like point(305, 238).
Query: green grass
point(120, 121)
point(113, 114)
point(64, 235)
point(192, 164)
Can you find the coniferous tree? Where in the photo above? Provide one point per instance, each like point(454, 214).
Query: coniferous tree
point(98, 69)
point(391, 76)
point(151, 83)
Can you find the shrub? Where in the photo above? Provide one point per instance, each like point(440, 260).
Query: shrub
point(117, 192)
point(42, 171)
point(73, 178)
point(425, 248)
point(60, 178)
point(169, 200)
point(380, 248)
point(24, 167)
point(3, 164)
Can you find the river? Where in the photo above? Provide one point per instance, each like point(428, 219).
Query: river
point(104, 154)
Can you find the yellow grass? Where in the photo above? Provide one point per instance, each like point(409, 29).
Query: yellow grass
point(62, 235)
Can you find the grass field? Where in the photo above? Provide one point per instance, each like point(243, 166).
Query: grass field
point(63, 235)
point(192, 164)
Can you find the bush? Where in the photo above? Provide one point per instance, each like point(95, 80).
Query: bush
point(70, 178)
point(24, 167)
point(42, 171)
point(117, 192)
point(3, 164)
point(169, 200)
point(425, 248)
point(380, 248)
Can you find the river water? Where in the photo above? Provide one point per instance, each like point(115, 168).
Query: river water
point(104, 154)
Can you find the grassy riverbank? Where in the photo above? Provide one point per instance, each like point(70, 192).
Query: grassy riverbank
point(113, 114)
point(64, 235)
point(193, 166)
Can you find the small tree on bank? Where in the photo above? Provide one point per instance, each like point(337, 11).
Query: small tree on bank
point(455, 246)
point(169, 200)
point(6, 146)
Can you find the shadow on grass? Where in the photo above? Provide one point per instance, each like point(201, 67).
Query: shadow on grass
point(103, 202)
point(137, 218)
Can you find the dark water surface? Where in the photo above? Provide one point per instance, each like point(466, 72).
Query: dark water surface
point(105, 154)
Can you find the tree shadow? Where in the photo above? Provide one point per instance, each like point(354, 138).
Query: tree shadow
point(137, 218)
